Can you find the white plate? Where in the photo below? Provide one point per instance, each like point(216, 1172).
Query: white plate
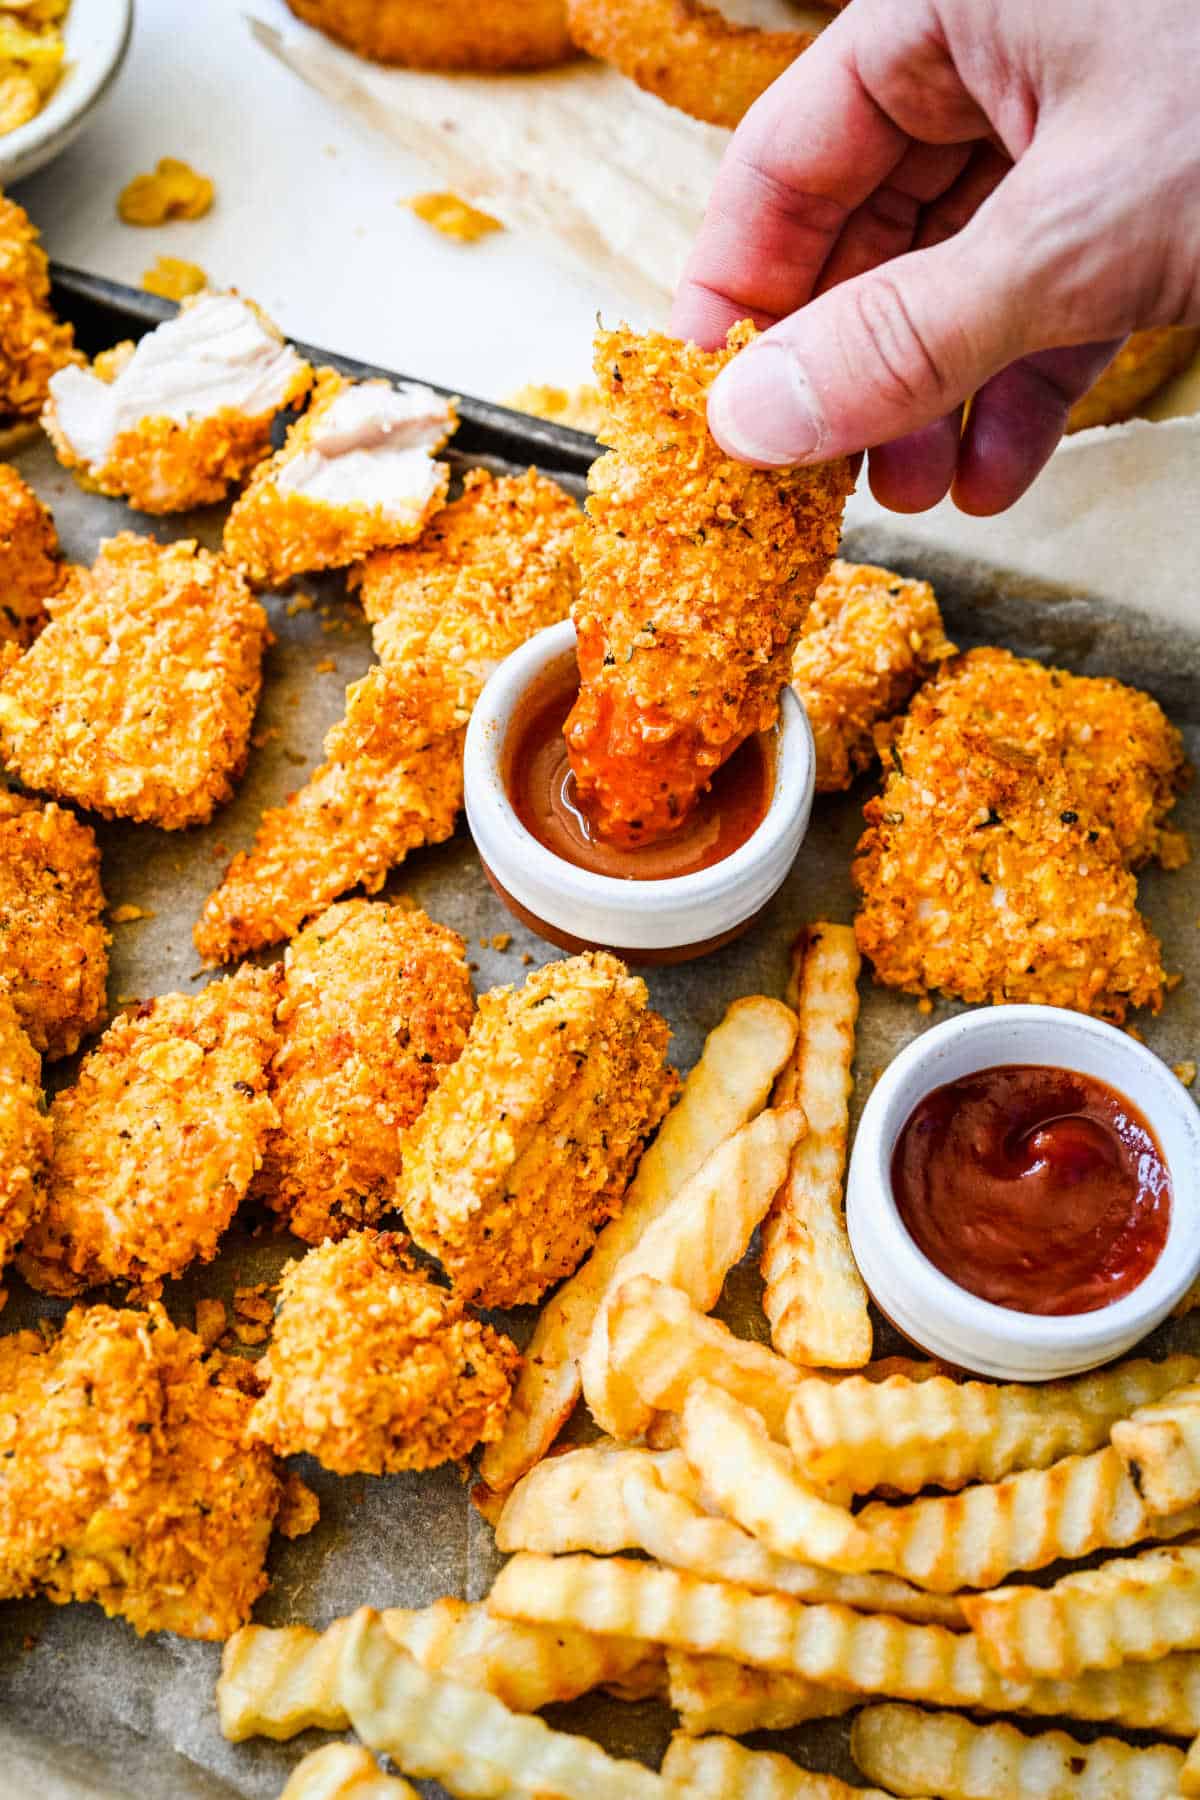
point(97, 34)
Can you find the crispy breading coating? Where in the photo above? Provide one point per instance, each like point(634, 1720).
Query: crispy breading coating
point(33, 344)
point(454, 34)
point(24, 1131)
point(277, 530)
point(1144, 363)
point(30, 561)
point(983, 875)
point(529, 1142)
point(695, 576)
point(376, 1005)
point(53, 944)
point(158, 1140)
point(489, 570)
point(870, 638)
point(372, 1367)
point(138, 698)
point(125, 1477)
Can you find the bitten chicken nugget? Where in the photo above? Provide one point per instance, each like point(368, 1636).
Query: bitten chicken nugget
point(489, 570)
point(157, 1142)
point(356, 473)
point(53, 945)
point(695, 576)
point(24, 1131)
point(182, 416)
point(869, 640)
point(376, 1005)
point(138, 698)
point(33, 344)
point(372, 1367)
point(30, 562)
point(528, 1144)
point(1143, 364)
point(125, 1477)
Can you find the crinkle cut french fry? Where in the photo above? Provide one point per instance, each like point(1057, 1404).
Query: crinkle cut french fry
point(464, 1738)
point(726, 1089)
point(813, 1294)
point(344, 1772)
point(715, 1768)
point(1134, 1609)
point(832, 1645)
point(713, 1693)
point(1189, 1780)
point(692, 1245)
point(277, 1683)
point(1161, 1448)
point(941, 1433)
point(576, 1500)
point(914, 1752)
point(757, 1483)
point(975, 1538)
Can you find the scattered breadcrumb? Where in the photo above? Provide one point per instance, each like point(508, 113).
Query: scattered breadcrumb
point(326, 666)
point(24, 1131)
point(33, 344)
point(373, 1368)
point(31, 566)
point(582, 408)
point(173, 191)
point(453, 216)
point(53, 942)
point(1185, 1072)
point(127, 914)
point(501, 940)
point(210, 1321)
point(299, 1508)
point(252, 1313)
point(299, 603)
point(171, 278)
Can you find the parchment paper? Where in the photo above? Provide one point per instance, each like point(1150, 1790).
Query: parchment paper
point(1094, 570)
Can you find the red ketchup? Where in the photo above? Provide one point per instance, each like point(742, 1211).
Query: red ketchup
point(1036, 1188)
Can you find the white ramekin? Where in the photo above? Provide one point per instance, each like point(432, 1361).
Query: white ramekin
point(926, 1305)
point(97, 36)
point(651, 920)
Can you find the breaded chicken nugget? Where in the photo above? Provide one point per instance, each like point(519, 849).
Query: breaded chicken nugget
point(453, 34)
point(489, 570)
point(869, 640)
point(31, 565)
point(376, 1005)
point(372, 1367)
point(356, 473)
point(53, 945)
point(182, 416)
point(984, 875)
point(528, 1144)
point(158, 1140)
point(33, 344)
point(138, 698)
point(1143, 364)
point(125, 1477)
point(24, 1131)
point(696, 573)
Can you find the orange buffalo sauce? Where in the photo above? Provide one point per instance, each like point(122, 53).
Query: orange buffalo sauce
point(542, 790)
point(1039, 1189)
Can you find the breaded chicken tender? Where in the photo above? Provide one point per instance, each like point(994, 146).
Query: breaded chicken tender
point(24, 1131)
point(490, 569)
point(179, 418)
point(453, 34)
point(31, 565)
point(356, 473)
point(696, 573)
point(869, 640)
point(984, 875)
point(372, 1367)
point(53, 944)
point(158, 1140)
point(125, 1477)
point(1143, 364)
point(33, 343)
point(376, 1005)
point(138, 698)
point(528, 1144)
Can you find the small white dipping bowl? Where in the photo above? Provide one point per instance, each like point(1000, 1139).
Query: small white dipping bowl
point(97, 36)
point(932, 1310)
point(652, 921)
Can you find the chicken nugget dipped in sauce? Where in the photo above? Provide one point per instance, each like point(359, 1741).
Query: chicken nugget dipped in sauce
point(53, 943)
point(372, 1367)
point(696, 573)
point(31, 566)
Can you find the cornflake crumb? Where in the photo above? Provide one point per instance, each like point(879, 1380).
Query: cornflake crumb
point(1185, 1071)
point(125, 915)
point(925, 1004)
point(173, 191)
point(326, 666)
point(252, 1312)
point(299, 603)
point(501, 940)
point(261, 738)
point(210, 1321)
point(171, 278)
point(299, 1508)
point(453, 217)
point(527, 959)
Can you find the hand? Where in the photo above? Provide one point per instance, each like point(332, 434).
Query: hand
point(944, 199)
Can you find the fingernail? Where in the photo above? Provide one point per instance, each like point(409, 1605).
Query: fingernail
point(761, 408)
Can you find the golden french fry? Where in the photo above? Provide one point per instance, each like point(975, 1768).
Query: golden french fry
point(1160, 1445)
point(344, 1772)
point(576, 1500)
point(976, 1538)
point(813, 1294)
point(940, 1433)
point(1189, 1780)
point(715, 1768)
point(726, 1089)
point(464, 1738)
point(713, 1693)
point(692, 1245)
point(914, 1752)
point(1134, 1609)
point(277, 1683)
point(757, 1484)
point(831, 1645)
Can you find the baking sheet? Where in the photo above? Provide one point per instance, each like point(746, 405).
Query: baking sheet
point(88, 1709)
